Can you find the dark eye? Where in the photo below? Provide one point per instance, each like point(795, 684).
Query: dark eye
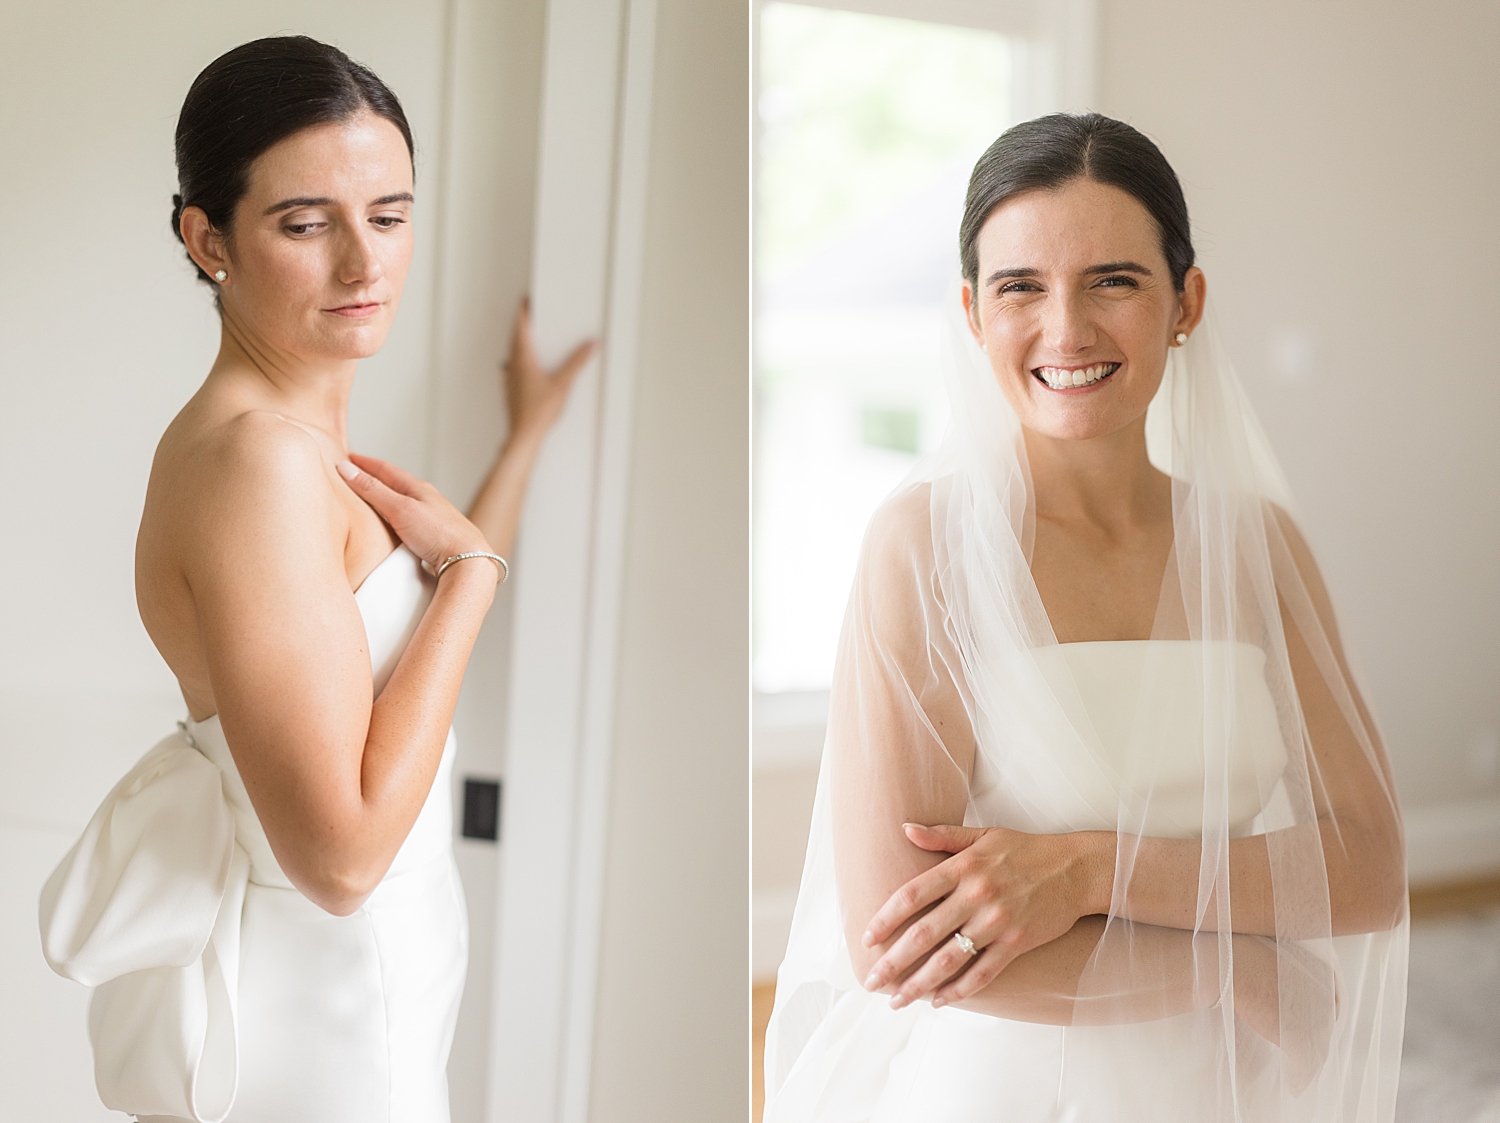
point(1117, 280)
point(301, 228)
point(1019, 286)
point(387, 221)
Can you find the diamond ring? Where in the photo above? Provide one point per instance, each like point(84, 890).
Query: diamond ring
point(966, 944)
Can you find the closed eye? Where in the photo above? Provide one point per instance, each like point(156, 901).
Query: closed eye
point(300, 229)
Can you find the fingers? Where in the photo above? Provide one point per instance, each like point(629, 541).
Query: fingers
point(575, 361)
point(942, 966)
point(397, 479)
point(911, 898)
point(522, 356)
point(945, 838)
point(522, 346)
point(387, 502)
point(922, 937)
point(982, 971)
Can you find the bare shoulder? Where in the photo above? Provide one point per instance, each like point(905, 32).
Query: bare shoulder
point(1294, 568)
point(254, 457)
point(1282, 528)
point(260, 449)
point(903, 519)
point(233, 479)
point(896, 564)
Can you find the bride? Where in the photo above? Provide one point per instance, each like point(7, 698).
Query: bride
point(268, 903)
point(1104, 829)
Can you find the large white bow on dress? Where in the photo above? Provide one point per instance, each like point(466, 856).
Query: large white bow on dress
point(146, 909)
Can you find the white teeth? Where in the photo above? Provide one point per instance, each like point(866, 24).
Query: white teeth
point(1060, 379)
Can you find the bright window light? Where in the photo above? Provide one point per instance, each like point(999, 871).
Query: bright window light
point(868, 127)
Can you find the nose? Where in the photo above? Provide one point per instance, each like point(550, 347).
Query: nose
point(359, 263)
point(1068, 328)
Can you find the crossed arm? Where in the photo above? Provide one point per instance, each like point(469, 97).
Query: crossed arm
point(1035, 904)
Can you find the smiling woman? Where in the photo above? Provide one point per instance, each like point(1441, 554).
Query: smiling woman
point(267, 904)
point(1104, 828)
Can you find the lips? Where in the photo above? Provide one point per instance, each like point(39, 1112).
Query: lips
point(354, 311)
point(1068, 378)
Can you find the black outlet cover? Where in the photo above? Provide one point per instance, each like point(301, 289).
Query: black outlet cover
point(481, 809)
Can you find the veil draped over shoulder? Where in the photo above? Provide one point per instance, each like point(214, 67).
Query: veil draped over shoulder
point(1239, 723)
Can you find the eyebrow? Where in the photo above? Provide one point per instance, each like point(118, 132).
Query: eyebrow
point(1092, 270)
point(1118, 267)
point(309, 201)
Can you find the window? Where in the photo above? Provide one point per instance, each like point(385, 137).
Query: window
point(868, 123)
point(868, 127)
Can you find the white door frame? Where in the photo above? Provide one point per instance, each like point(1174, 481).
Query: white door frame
point(592, 161)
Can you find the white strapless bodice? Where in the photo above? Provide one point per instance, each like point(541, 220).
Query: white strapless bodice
point(222, 994)
point(1136, 737)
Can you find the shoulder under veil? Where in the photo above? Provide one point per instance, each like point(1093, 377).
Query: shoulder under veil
point(1240, 719)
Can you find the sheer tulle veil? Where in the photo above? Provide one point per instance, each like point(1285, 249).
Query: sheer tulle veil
point(946, 681)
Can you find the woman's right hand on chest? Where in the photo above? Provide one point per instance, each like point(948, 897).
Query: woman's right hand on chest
point(261, 534)
point(430, 526)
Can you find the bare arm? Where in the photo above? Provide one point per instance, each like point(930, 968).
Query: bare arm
point(534, 399)
point(336, 777)
point(899, 746)
point(995, 888)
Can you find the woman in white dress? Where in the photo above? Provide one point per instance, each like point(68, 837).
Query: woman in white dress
point(268, 904)
point(1104, 830)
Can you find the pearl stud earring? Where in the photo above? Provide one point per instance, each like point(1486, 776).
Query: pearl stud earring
point(1180, 338)
point(222, 276)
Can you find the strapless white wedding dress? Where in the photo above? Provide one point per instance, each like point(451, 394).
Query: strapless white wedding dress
point(223, 995)
point(867, 1063)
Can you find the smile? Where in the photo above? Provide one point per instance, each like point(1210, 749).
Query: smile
point(1065, 378)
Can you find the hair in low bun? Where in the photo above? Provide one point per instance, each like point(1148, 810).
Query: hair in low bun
point(1047, 152)
point(253, 97)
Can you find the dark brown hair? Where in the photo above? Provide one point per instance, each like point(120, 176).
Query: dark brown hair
point(255, 96)
point(1046, 153)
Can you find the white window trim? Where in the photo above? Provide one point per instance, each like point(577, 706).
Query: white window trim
point(592, 161)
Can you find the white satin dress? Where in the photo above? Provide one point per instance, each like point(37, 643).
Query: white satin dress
point(222, 994)
point(867, 1063)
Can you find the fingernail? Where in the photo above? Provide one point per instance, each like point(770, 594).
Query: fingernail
point(868, 940)
point(873, 981)
point(898, 1001)
point(936, 1002)
point(347, 469)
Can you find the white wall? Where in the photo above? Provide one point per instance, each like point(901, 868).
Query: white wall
point(1340, 162)
point(672, 1016)
point(104, 334)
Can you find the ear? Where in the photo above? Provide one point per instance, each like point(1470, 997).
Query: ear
point(971, 313)
point(205, 245)
point(1190, 301)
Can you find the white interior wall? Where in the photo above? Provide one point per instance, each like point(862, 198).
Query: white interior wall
point(104, 334)
point(671, 1024)
point(1339, 161)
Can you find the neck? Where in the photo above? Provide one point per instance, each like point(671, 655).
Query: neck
point(1105, 481)
point(313, 392)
